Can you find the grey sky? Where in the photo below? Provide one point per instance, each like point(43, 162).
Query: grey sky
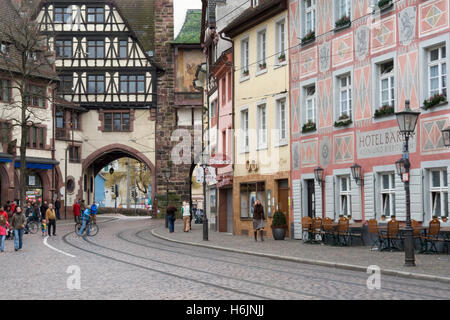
point(180, 7)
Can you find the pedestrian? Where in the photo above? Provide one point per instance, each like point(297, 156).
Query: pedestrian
point(258, 220)
point(186, 216)
point(76, 211)
point(82, 206)
point(44, 227)
point(28, 215)
point(3, 227)
point(36, 212)
point(94, 210)
point(85, 219)
point(3, 213)
point(44, 208)
point(57, 208)
point(17, 224)
point(9, 215)
point(171, 217)
point(13, 206)
point(50, 216)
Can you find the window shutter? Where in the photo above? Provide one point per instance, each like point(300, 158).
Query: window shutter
point(318, 199)
point(369, 199)
point(337, 198)
point(415, 187)
point(400, 199)
point(297, 207)
point(356, 200)
point(329, 197)
point(378, 205)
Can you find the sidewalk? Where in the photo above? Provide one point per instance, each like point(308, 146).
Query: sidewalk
point(428, 267)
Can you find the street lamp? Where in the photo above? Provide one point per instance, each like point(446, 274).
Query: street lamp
point(167, 173)
point(204, 165)
point(356, 174)
point(446, 136)
point(407, 120)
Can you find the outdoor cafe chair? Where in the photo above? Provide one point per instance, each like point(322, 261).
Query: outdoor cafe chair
point(316, 229)
point(342, 234)
point(416, 232)
point(306, 229)
point(391, 236)
point(374, 231)
point(431, 237)
point(328, 230)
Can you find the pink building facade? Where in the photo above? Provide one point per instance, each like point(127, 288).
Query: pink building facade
point(352, 66)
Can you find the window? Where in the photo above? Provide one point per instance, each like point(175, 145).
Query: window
point(63, 48)
point(388, 194)
point(387, 84)
point(96, 15)
point(345, 96)
point(96, 84)
point(35, 137)
point(245, 57)
point(132, 84)
point(310, 16)
point(35, 96)
point(66, 83)
point(5, 131)
point(262, 50)
point(439, 193)
point(62, 15)
point(229, 86)
point(212, 109)
point(96, 49)
point(245, 130)
point(437, 71)
point(76, 120)
point(32, 55)
point(116, 121)
point(5, 89)
point(224, 90)
point(262, 126)
point(343, 9)
point(249, 193)
point(311, 104)
point(123, 49)
point(255, 3)
point(280, 32)
point(3, 48)
point(282, 121)
point(345, 197)
point(74, 153)
point(59, 119)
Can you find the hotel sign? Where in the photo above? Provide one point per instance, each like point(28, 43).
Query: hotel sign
point(380, 143)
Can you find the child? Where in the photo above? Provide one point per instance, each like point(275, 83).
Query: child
point(44, 227)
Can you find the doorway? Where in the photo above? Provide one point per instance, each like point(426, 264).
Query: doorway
point(310, 198)
point(283, 196)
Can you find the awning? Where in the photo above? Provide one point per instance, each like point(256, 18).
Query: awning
point(37, 163)
point(6, 157)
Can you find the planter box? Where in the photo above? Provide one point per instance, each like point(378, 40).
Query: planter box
point(386, 6)
point(343, 123)
point(436, 105)
point(309, 127)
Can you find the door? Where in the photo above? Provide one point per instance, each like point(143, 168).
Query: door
point(230, 210)
point(310, 198)
point(283, 196)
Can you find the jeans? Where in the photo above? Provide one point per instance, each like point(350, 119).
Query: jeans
point(50, 224)
point(18, 238)
point(171, 224)
point(82, 228)
point(57, 213)
point(2, 243)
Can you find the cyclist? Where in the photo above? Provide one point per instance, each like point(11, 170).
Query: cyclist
point(85, 217)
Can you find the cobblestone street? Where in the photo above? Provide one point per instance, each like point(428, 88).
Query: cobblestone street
point(126, 261)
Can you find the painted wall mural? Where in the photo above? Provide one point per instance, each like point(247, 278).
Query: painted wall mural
point(295, 111)
point(325, 12)
point(433, 17)
point(324, 56)
point(361, 8)
point(362, 36)
point(407, 25)
point(308, 63)
point(363, 93)
point(309, 151)
point(384, 35)
point(294, 24)
point(325, 103)
point(431, 136)
point(325, 151)
point(343, 148)
point(408, 79)
point(343, 49)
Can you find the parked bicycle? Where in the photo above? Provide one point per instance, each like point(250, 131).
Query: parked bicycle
point(90, 230)
point(33, 225)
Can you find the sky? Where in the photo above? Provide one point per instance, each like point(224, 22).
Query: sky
point(180, 7)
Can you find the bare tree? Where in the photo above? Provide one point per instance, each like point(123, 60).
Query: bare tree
point(27, 61)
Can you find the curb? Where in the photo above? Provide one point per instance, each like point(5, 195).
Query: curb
point(389, 272)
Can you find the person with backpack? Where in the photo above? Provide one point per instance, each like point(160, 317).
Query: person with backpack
point(17, 224)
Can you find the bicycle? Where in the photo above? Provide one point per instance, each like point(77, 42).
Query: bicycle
point(33, 225)
point(90, 226)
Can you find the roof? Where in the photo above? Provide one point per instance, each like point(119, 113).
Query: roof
point(190, 32)
point(254, 16)
point(138, 14)
point(9, 24)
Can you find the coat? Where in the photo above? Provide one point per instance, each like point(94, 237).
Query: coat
point(258, 213)
point(76, 209)
point(3, 225)
point(18, 221)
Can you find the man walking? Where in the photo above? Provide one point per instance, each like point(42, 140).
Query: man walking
point(76, 211)
point(50, 216)
point(57, 208)
point(17, 224)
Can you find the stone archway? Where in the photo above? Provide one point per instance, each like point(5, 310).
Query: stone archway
point(5, 185)
point(105, 155)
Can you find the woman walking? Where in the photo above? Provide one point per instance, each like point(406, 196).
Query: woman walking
point(171, 217)
point(186, 216)
point(18, 222)
point(3, 227)
point(258, 220)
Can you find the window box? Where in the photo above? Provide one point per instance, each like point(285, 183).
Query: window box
point(384, 111)
point(245, 73)
point(282, 58)
point(310, 37)
point(384, 4)
point(343, 121)
point(434, 101)
point(342, 23)
point(309, 127)
point(262, 66)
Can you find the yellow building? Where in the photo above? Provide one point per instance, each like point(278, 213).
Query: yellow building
point(261, 112)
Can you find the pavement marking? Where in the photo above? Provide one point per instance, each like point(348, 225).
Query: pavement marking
point(57, 250)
